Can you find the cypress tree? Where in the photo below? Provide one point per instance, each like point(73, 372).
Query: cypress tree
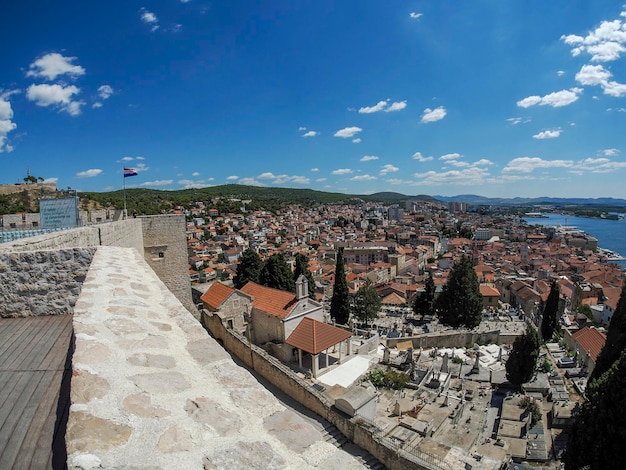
point(366, 303)
point(522, 361)
point(424, 303)
point(550, 311)
point(277, 274)
point(340, 302)
point(460, 302)
point(248, 269)
point(596, 439)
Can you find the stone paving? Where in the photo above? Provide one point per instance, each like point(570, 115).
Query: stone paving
point(151, 389)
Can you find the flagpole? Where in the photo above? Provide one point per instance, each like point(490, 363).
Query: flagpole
point(124, 176)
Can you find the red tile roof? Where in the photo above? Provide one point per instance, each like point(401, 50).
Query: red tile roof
point(313, 336)
point(591, 340)
point(273, 301)
point(488, 291)
point(216, 294)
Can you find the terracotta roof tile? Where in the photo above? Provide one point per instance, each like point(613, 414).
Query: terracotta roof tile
point(591, 340)
point(313, 336)
point(216, 295)
point(273, 301)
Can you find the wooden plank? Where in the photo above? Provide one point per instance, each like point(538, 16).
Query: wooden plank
point(12, 331)
point(22, 380)
point(57, 357)
point(30, 422)
point(50, 448)
point(8, 381)
point(38, 340)
point(28, 339)
point(45, 345)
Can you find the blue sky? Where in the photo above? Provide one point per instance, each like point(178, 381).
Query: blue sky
point(502, 99)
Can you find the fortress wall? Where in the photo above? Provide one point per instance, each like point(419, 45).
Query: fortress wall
point(165, 250)
point(125, 233)
point(40, 283)
point(453, 339)
point(290, 383)
point(151, 389)
point(34, 187)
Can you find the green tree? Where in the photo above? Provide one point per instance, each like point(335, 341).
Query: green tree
point(302, 267)
point(276, 273)
point(248, 269)
point(366, 303)
point(596, 439)
point(549, 320)
point(425, 301)
point(615, 339)
point(460, 302)
point(522, 361)
point(340, 301)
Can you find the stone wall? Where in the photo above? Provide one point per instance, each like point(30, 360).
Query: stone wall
point(125, 233)
point(151, 389)
point(290, 383)
point(165, 250)
point(453, 339)
point(42, 282)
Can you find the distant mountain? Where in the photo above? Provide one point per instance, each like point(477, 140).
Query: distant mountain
point(561, 201)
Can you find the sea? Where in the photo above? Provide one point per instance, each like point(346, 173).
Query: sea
point(611, 234)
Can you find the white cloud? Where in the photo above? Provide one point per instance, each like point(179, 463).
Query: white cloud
point(599, 165)
point(383, 106)
point(51, 180)
point(517, 120)
point(362, 178)
point(415, 15)
point(320, 180)
point(348, 132)
point(105, 92)
point(356, 141)
point(597, 75)
point(603, 44)
point(158, 183)
point(50, 66)
point(368, 158)
point(374, 109)
point(191, 184)
point(433, 115)
point(388, 169)
point(396, 106)
point(6, 121)
point(397, 181)
point(529, 164)
point(467, 177)
point(450, 156)
point(96, 105)
point(420, 158)
point(555, 99)
point(560, 73)
point(482, 162)
point(195, 173)
point(315, 169)
point(610, 152)
point(250, 182)
point(232, 178)
point(149, 18)
point(550, 134)
point(282, 179)
point(57, 95)
point(310, 134)
point(89, 173)
point(301, 128)
point(341, 171)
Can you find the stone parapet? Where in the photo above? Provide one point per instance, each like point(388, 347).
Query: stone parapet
point(40, 283)
point(151, 389)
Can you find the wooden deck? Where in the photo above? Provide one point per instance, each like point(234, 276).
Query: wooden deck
point(35, 372)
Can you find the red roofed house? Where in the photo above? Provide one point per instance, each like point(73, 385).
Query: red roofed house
point(588, 342)
point(490, 295)
point(276, 314)
point(231, 305)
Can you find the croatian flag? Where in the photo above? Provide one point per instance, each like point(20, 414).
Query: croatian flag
point(129, 172)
